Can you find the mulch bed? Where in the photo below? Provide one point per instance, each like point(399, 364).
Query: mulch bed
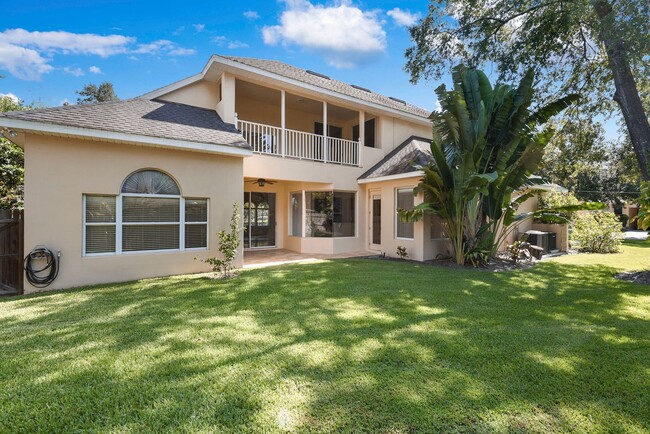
point(496, 265)
point(642, 277)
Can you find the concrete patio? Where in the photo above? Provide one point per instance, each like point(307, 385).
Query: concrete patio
point(272, 257)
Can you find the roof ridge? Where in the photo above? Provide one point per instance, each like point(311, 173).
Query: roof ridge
point(70, 106)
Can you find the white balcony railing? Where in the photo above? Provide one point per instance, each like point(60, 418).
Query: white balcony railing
point(269, 140)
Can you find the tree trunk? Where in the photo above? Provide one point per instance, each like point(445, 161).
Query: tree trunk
point(626, 94)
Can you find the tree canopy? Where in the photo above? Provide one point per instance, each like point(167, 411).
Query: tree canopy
point(596, 48)
point(92, 93)
point(582, 160)
point(11, 163)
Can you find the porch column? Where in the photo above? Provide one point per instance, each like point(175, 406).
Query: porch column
point(283, 139)
point(304, 216)
point(362, 136)
point(325, 131)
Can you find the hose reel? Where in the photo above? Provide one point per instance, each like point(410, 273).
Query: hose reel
point(41, 267)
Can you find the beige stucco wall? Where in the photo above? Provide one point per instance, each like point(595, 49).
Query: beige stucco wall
point(58, 171)
point(421, 247)
point(202, 93)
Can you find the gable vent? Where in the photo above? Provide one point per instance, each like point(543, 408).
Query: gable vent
point(318, 74)
point(401, 101)
point(361, 88)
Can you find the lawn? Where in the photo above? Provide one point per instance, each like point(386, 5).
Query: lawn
point(346, 345)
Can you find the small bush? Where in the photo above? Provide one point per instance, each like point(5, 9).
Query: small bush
point(228, 244)
point(597, 232)
point(401, 252)
point(643, 217)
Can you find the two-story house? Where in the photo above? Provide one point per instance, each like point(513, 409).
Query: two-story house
point(139, 188)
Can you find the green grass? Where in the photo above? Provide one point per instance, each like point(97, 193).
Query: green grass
point(347, 345)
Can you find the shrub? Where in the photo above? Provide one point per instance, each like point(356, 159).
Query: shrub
point(597, 232)
point(401, 252)
point(643, 217)
point(228, 245)
point(554, 199)
point(624, 218)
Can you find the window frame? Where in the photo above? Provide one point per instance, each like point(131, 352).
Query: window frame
point(303, 213)
point(396, 220)
point(85, 224)
point(119, 223)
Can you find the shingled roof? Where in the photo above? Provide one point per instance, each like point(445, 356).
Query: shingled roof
point(324, 82)
point(142, 117)
point(414, 151)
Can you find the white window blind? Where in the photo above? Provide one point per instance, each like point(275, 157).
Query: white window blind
point(404, 200)
point(100, 224)
point(196, 223)
point(149, 215)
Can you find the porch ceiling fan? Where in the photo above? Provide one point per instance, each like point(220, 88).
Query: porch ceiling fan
point(262, 182)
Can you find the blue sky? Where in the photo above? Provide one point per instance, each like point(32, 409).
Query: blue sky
point(49, 49)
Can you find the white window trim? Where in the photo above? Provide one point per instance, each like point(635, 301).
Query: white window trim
point(119, 224)
point(397, 189)
point(304, 213)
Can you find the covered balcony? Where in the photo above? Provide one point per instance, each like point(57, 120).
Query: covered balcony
point(283, 124)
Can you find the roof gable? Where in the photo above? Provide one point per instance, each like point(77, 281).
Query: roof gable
point(414, 151)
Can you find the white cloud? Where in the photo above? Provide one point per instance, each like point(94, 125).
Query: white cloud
point(10, 95)
point(23, 63)
point(199, 27)
point(252, 15)
point(154, 47)
point(344, 34)
point(223, 41)
point(220, 40)
point(178, 30)
point(403, 18)
point(163, 46)
point(68, 43)
point(180, 51)
point(77, 72)
point(28, 55)
point(95, 69)
point(233, 45)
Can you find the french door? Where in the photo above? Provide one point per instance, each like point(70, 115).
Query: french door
point(259, 220)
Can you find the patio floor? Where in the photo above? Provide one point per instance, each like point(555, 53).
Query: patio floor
point(271, 257)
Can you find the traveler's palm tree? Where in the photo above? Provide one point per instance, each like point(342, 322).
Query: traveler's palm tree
point(486, 144)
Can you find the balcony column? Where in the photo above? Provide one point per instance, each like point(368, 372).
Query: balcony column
point(325, 131)
point(362, 136)
point(283, 119)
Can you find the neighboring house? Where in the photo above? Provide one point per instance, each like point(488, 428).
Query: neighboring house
point(139, 188)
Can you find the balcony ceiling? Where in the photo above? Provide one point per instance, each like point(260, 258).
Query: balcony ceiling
point(255, 92)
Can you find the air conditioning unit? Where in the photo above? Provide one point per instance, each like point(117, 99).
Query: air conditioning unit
point(545, 240)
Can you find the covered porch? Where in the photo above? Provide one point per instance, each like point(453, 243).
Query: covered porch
point(282, 124)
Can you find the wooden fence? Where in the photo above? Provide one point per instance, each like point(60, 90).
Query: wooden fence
point(11, 250)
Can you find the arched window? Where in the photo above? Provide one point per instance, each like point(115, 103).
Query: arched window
point(262, 214)
point(148, 215)
point(150, 182)
point(249, 212)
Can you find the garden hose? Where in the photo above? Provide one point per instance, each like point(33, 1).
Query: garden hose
point(44, 276)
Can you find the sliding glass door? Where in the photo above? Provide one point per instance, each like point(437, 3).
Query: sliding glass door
point(259, 220)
